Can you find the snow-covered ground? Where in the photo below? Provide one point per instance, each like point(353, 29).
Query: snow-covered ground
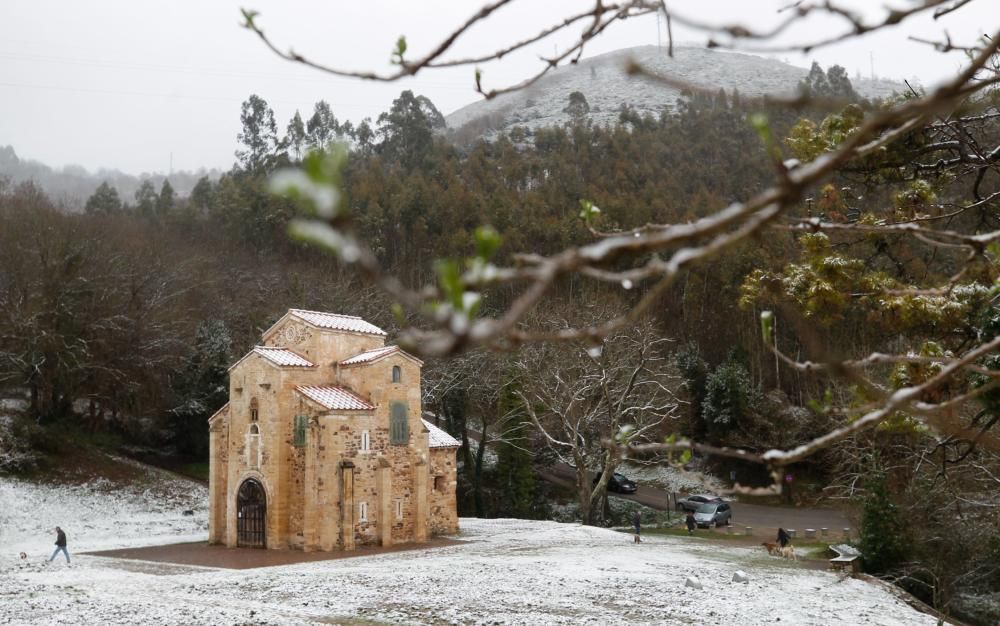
point(504, 572)
point(670, 479)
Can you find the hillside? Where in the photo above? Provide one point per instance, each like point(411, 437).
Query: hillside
point(602, 81)
point(70, 186)
point(504, 572)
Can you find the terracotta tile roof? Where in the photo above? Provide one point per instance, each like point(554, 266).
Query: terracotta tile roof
point(337, 322)
point(335, 398)
point(376, 354)
point(438, 438)
point(283, 357)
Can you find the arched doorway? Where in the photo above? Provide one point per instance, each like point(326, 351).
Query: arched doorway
point(251, 515)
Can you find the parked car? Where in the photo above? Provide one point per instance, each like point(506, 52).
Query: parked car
point(718, 513)
point(618, 483)
point(692, 502)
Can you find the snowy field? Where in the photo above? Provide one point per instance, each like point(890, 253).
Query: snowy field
point(505, 572)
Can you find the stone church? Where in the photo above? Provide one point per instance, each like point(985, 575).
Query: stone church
point(322, 445)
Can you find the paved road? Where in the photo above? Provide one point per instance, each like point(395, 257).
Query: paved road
point(764, 519)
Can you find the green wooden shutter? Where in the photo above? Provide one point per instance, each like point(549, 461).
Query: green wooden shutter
point(399, 428)
point(301, 422)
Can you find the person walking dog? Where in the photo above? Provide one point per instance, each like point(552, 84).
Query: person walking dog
point(637, 522)
point(60, 545)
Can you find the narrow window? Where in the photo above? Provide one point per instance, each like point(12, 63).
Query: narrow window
point(366, 443)
point(399, 429)
point(397, 374)
point(301, 422)
point(399, 509)
point(363, 512)
point(253, 447)
point(439, 484)
point(253, 409)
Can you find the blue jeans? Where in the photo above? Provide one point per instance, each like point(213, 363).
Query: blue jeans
point(58, 550)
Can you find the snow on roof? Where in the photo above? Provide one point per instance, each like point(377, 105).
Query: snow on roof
point(283, 357)
point(438, 438)
point(335, 398)
point(378, 353)
point(337, 322)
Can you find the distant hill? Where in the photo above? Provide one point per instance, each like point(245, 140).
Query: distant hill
point(72, 185)
point(605, 85)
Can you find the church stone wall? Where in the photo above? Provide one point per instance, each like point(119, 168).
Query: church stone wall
point(444, 486)
point(316, 488)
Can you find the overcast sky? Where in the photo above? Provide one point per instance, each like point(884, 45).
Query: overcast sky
point(130, 84)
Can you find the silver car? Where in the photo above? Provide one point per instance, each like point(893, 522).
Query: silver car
point(718, 513)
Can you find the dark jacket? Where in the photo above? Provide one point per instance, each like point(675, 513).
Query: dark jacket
point(690, 521)
point(61, 539)
point(637, 520)
point(783, 537)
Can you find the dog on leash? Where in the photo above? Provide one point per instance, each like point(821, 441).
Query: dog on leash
point(788, 552)
point(770, 546)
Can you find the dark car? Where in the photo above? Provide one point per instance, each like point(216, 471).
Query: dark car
point(718, 513)
point(692, 502)
point(618, 483)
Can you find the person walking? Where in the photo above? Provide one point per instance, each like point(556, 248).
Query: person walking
point(60, 545)
point(637, 522)
point(690, 522)
point(783, 537)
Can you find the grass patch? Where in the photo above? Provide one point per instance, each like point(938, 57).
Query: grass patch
point(198, 471)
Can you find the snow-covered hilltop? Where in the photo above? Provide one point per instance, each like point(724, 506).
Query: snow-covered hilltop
point(503, 572)
point(605, 85)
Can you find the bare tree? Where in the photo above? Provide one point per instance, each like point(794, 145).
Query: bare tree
point(621, 389)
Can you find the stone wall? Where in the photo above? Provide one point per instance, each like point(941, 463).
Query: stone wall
point(443, 490)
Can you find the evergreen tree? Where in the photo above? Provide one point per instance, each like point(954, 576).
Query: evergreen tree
point(201, 388)
point(694, 371)
point(104, 201)
point(165, 201)
point(202, 195)
point(840, 84)
point(407, 129)
point(578, 106)
point(815, 84)
point(295, 136)
point(258, 136)
point(146, 199)
point(520, 495)
point(883, 532)
point(323, 127)
point(729, 399)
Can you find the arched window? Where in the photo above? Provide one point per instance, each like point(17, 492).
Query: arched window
point(253, 409)
point(399, 428)
point(253, 446)
point(397, 374)
point(366, 441)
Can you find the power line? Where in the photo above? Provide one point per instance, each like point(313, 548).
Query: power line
point(214, 72)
